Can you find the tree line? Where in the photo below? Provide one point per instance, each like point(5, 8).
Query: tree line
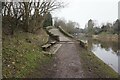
point(90, 28)
point(29, 16)
point(110, 28)
point(69, 26)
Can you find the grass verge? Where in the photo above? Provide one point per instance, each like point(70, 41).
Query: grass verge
point(21, 52)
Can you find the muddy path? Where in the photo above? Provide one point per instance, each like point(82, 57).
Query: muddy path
point(71, 61)
point(68, 63)
point(65, 64)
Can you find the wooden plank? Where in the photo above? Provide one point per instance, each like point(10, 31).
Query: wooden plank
point(45, 46)
point(53, 42)
point(83, 44)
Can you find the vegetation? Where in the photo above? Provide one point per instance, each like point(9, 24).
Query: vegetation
point(23, 35)
point(94, 67)
point(23, 26)
point(21, 53)
point(29, 16)
point(90, 27)
point(109, 28)
point(106, 45)
point(64, 32)
point(109, 31)
point(69, 27)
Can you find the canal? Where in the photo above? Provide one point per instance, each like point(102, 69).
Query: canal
point(107, 51)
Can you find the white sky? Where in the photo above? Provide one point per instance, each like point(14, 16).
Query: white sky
point(82, 10)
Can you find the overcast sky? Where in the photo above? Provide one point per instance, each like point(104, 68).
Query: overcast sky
point(82, 10)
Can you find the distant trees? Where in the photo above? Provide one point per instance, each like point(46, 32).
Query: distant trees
point(109, 28)
point(116, 26)
point(60, 22)
point(90, 27)
point(29, 15)
point(96, 30)
point(70, 26)
point(104, 28)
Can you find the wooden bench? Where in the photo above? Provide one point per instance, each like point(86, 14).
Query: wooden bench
point(46, 46)
point(53, 42)
point(83, 44)
point(56, 37)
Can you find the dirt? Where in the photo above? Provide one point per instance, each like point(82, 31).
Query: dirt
point(68, 62)
point(65, 63)
point(71, 61)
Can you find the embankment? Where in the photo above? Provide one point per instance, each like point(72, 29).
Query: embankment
point(94, 67)
point(107, 37)
point(21, 53)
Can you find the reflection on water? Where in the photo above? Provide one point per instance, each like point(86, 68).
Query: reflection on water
point(108, 56)
point(105, 50)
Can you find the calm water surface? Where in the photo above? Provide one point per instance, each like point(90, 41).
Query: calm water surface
point(107, 51)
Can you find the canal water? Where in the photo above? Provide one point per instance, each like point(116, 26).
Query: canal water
point(107, 51)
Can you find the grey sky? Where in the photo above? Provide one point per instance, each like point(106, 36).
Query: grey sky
point(82, 10)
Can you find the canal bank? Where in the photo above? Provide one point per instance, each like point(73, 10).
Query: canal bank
point(105, 48)
point(108, 52)
point(106, 37)
point(95, 67)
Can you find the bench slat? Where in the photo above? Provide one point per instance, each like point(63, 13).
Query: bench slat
point(45, 46)
point(53, 42)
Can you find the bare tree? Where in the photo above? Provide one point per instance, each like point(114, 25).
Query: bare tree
point(30, 12)
point(47, 6)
